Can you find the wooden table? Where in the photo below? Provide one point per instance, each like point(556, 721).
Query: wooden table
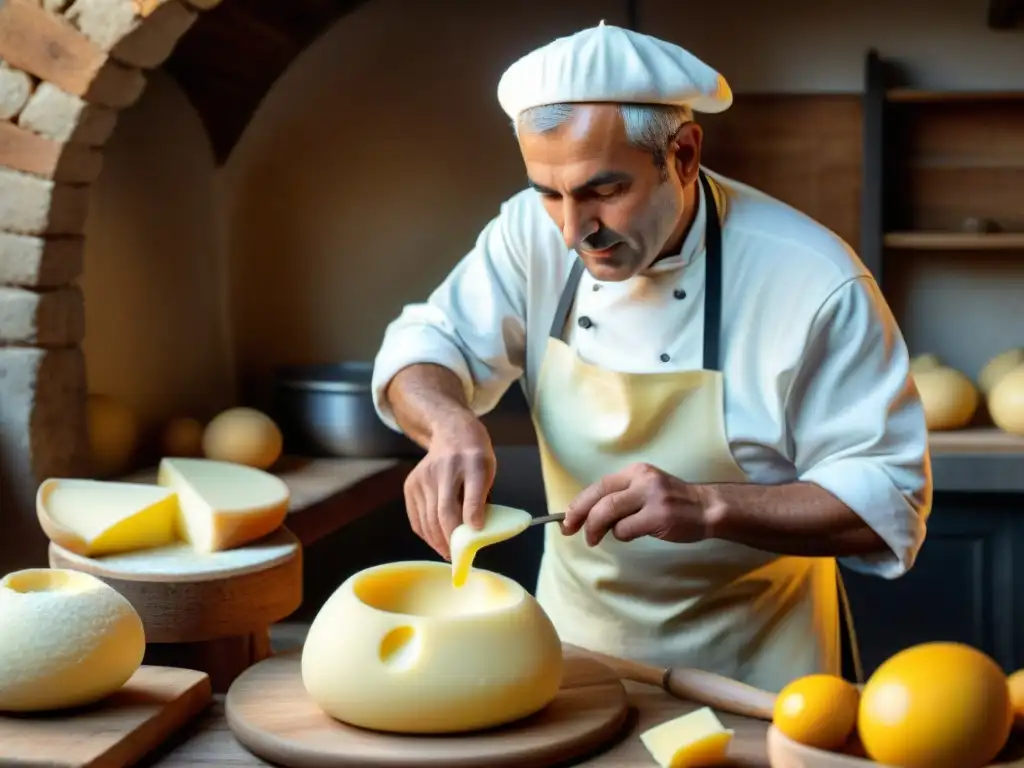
point(209, 743)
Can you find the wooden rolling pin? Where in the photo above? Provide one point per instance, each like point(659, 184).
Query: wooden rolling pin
point(707, 688)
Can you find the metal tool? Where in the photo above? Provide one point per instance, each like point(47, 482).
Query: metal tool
point(556, 518)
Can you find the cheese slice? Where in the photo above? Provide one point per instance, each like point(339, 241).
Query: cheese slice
point(500, 523)
point(224, 505)
point(95, 517)
point(694, 740)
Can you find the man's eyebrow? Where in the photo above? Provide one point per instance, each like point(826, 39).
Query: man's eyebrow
point(597, 180)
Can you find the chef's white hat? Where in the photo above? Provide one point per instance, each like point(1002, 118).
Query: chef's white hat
point(611, 64)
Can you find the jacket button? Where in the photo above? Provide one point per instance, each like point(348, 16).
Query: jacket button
point(679, 293)
point(664, 357)
point(585, 322)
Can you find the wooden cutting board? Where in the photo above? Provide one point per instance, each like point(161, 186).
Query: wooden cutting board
point(269, 712)
point(114, 733)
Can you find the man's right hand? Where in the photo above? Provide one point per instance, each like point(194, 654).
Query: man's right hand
point(450, 484)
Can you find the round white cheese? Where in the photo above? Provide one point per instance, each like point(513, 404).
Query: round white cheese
point(999, 366)
point(948, 396)
point(66, 639)
point(1006, 402)
point(398, 648)
point(243, 436)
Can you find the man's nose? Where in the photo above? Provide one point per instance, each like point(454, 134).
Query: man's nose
point(577, 224)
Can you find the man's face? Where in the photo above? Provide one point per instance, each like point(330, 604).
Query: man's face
point(615, 207)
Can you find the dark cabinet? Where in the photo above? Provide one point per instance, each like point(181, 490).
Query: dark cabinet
point(960, 589)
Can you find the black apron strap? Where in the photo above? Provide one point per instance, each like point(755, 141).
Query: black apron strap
point(566, 300)
point(712, 287)
point(712, 279)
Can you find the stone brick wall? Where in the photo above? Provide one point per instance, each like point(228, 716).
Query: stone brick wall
point(66, 70)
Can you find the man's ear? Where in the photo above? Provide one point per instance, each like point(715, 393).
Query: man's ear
point(686, 155)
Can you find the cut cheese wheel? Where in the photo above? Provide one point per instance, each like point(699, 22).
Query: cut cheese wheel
point(397, 648)
point(500, 523)
point(694, 739)
point(224, 505)
point(95, 517)
point(66, 639)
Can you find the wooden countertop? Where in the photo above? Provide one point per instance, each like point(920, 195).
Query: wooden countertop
point(209, 743)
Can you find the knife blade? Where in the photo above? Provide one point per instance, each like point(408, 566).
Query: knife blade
point(556, 518)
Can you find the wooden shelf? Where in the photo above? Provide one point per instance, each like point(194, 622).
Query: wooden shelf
point(955, 241)
point(976, 441)
point(919, 96)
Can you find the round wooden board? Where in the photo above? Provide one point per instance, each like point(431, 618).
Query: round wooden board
point(178, 562)
point(269, 712)
point(188, 597)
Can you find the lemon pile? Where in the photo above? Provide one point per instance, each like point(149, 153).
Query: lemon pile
point(935, 705)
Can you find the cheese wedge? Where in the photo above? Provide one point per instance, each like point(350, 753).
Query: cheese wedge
point(95, 517)
point(223, 505)
point(695, 740)
point(500, 523)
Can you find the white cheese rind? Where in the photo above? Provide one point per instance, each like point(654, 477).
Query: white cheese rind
point(66, 640)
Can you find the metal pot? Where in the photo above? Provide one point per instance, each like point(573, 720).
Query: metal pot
point(327, 410)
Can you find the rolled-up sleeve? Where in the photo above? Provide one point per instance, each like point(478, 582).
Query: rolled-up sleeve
point(473, 324)
point(858, 425)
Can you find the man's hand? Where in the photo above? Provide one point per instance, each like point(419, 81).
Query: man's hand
point(450, 484)
point(641, 500)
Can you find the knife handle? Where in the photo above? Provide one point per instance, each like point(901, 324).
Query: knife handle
point(696, 686)
point(719, 692)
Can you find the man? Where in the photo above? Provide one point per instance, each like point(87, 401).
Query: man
point(721, 395)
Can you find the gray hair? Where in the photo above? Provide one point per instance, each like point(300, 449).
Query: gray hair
point(651, 127)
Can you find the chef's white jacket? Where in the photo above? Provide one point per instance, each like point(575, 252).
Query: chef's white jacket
point(816, 371)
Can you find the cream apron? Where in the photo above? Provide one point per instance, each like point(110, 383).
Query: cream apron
point(761, 618)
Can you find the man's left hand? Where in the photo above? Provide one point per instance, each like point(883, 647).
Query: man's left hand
point(641, 500)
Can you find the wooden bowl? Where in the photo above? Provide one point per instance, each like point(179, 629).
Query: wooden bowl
point(783, 752)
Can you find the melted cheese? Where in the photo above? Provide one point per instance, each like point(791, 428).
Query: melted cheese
point(500, 523)
point(398, 648)
point(66, 639)
point(95, 518)
point(224, 505)
point(695, 739)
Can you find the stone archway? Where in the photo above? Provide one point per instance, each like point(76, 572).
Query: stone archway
point(67, 68)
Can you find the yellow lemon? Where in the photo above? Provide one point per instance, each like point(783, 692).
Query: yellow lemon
point(936, 705)
point(1015, 682)
point(817, 710)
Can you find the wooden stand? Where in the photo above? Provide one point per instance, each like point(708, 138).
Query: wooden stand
point(210, 612)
